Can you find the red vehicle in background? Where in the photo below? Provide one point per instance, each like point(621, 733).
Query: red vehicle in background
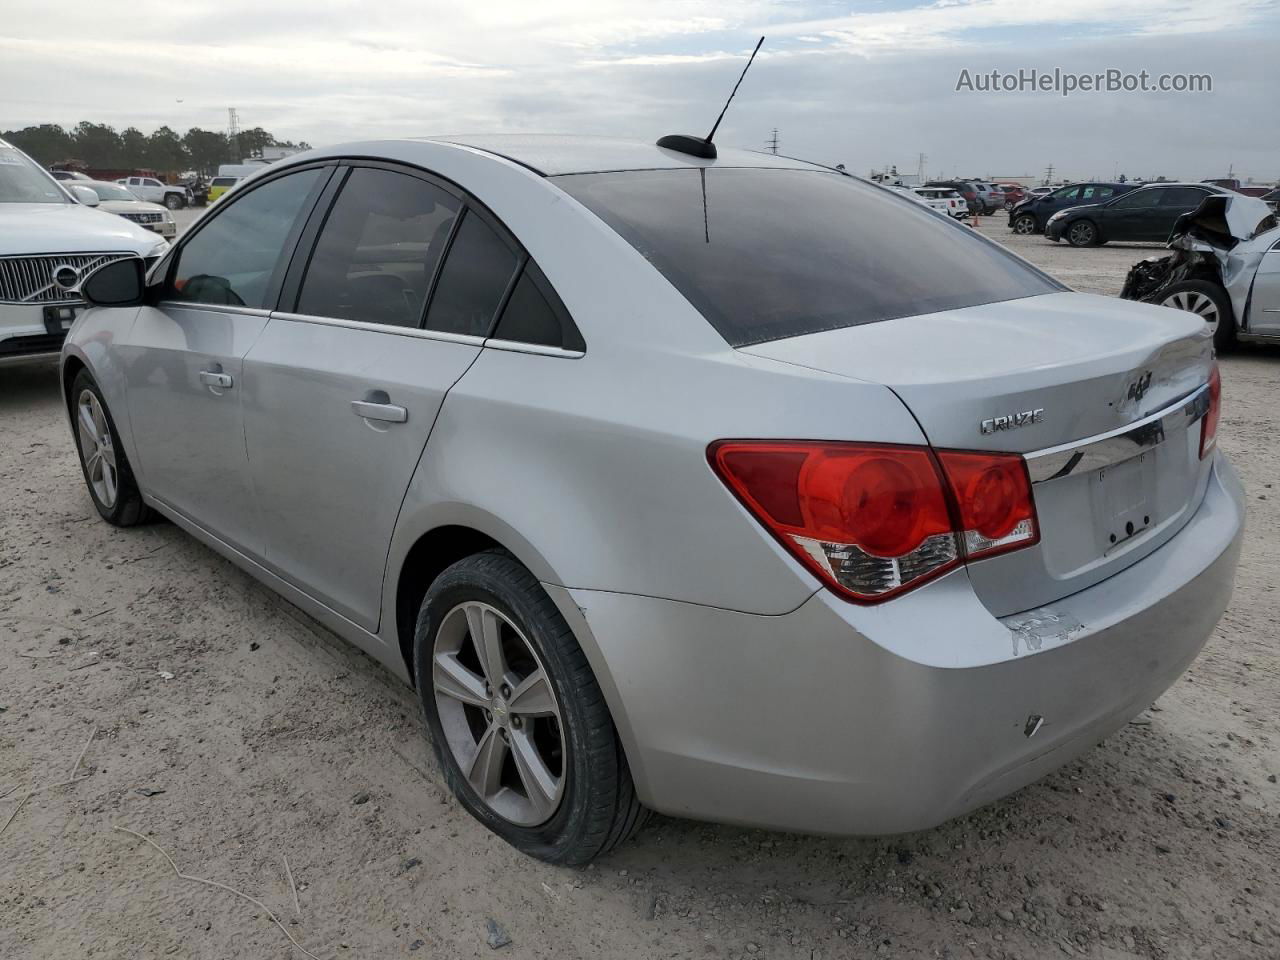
point(1014, 194)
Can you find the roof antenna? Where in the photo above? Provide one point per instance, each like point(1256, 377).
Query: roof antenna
point(697, 146)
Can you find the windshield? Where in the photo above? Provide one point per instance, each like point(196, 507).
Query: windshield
point(768, 254)
point(21, 181)
point(110, 191)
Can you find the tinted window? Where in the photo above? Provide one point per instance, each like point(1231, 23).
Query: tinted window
point(766, 254)
point(472, 281)
point(1139, 198)
point(534, 314)
point(1066, 193)
point(1182, 197)
point(231, 260)
point(378, 250)
point(1092, 193)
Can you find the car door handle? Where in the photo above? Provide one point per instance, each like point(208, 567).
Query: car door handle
point(212, 378)
point(379, 411)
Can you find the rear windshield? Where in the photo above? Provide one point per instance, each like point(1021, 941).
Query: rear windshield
point(770, 254)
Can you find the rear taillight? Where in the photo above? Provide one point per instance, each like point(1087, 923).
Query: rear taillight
point(872, 521)
point(992, 497)
point(1209, 425)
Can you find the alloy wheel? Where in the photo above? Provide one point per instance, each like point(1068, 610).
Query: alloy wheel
point(499, 713)
point(1024, 225)
point(1196, 303)
point(97, 448)
point(1081, 234)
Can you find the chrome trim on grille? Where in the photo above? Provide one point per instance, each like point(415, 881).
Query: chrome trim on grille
point(1094, 453)
point(30, 279)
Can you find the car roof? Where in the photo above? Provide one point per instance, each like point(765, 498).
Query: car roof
point(554, 155)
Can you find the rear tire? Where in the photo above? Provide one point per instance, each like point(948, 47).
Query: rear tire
point(594, 807)
point(1208, 301)
point(106, 469)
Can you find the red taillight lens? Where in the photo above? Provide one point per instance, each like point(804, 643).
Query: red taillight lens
point(872, 521)
point(1209, 425)
point(992, 493)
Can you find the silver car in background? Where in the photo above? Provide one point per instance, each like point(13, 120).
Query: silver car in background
point(732, 488)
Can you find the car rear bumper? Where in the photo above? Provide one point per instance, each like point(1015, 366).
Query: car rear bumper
point(842, 719)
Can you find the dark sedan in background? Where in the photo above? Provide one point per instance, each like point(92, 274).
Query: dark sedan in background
point(1031, 215)
point(1143, 215)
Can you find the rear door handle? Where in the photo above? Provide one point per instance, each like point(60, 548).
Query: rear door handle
point(379, 411)
point(212, 379)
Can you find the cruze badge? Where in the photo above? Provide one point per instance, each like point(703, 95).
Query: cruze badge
point(1012, 421)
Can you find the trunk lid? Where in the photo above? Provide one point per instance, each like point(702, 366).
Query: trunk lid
point(1037, 376)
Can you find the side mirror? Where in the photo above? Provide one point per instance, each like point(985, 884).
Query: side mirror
point(121, 283)
point(85, 195)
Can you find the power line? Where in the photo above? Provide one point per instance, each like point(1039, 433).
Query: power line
point(772, 143)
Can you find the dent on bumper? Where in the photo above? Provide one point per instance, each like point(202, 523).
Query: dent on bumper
point(873, 720)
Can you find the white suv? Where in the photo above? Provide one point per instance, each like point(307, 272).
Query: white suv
point(50, 240)
point(156, 191)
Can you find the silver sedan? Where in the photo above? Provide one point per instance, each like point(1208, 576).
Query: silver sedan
point(733, 487)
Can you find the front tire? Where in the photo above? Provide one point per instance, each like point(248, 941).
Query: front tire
point(173, 201)
point(1083, 233)
point(1024, 224)
point(517, 720)
point(1207, 301)
point(106, 469)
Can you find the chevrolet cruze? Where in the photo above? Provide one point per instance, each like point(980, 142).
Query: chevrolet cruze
point(733, 488)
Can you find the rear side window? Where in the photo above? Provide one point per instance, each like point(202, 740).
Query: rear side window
point(231, 261)
point(768, 254)
point(1142, 198)
point(534, 314)
point(1183, 197)
point(378, 251)
point(473, 280)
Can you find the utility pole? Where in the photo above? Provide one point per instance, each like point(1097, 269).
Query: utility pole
point(1048, 176)
point(772, 143)
point(920, 159)
point(233, 132)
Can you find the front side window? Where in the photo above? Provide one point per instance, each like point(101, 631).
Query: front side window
point(1138, 199)
point(231, 260)
point(379, 249)
point(472, 281)
point(21, 181)
point(1066, 193)
point(768, 254)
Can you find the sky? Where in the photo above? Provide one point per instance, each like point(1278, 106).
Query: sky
point(867, 84)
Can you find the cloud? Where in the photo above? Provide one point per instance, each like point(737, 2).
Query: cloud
point(872, 85)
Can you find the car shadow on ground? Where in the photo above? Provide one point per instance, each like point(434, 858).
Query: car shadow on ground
point(25, 384)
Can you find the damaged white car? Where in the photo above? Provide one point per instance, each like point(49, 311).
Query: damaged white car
point(1225, 267)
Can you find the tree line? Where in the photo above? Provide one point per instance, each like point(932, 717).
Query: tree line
point(100, 146)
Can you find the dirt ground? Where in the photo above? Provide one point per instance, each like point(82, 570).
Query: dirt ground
point(235, 732)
